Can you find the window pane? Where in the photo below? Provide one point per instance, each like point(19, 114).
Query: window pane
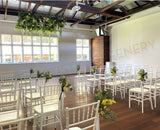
point(27, 54)
point(16, 39)
point(6, 53)
point(17, 51)
point(86, 43)
point(45, 40)
point(54, 53)
point(79, 42)
point(6, 39)
point(36, 40)
point(37, 53)
point(79, 53)
point(85, 53)
point(27, 40)
point(45, 53)
point(53, 41)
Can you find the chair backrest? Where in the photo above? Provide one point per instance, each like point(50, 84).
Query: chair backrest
point(6, 76)
point(81, 115)
point(10, 100)
point(8, 84)
point(41, 81)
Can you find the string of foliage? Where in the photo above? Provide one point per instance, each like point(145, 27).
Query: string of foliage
point(46, 24)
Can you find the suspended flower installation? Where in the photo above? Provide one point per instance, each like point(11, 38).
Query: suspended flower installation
point(28, 22)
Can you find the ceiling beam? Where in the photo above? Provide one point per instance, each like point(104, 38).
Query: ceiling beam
point(50, 10)
point(29, 6)
point(129, 14)
point(2, 3)
point(59, 12)
point(101, 12)
point(60, 4)
point(123, 10)
point(136, 2)
point(19, 4)
point(74, 14)
point(35, 8)
point(14, 12)
point(111, 5)
point(5, 16)
point(63, 9)
point(82, 19)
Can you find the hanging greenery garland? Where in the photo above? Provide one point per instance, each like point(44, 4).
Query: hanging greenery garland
point(28, 22)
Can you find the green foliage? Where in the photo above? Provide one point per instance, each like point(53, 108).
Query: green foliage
point(28, 22)
point(48, 75)
point(93, 70)
point(142, 75)
point(31, 71)
point(114, 70)
point(78, 67)
point(39, 74)
point(64, 83)
point(105, 101)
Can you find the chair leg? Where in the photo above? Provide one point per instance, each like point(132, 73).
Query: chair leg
point(151, 102)
point(155, 103)
point(142, 106)
point(138, 97)
point(129, 101)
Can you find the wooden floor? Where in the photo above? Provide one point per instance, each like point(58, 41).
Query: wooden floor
point(127, 119)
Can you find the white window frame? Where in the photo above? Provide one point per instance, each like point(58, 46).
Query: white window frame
point(31, 45)
point(82, 50)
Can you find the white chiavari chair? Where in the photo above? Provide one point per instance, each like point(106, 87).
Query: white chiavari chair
point(92, 83)
point(82, 115)
point(49, 108)
point(141, 94)
point(155, 90)
point(9, 105)
point(18, 124)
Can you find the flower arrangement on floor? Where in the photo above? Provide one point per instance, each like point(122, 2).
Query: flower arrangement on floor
point(93, 69)
point(48, 75)
point(64, 84)
point(31, 72)
point(142, 75)
point(39, 74)
point(78, 68)
point(114, 70)
point(105, 101)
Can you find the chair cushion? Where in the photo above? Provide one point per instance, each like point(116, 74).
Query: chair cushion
point(92, 79)
point(152, 86)
point(75, 128)
point(47, 108)
point(8, 116)
point(138, 90)
point(34, 95)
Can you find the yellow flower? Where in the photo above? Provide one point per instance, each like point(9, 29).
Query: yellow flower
point(139, 77)
point(108, 102)
point(65, 89)
point(102, 112)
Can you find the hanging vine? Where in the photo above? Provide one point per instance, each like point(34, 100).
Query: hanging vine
point(28, 22)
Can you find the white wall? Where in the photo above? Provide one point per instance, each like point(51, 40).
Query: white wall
point(67, 52)
point(137, 41)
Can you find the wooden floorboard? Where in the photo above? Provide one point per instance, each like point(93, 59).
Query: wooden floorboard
point(127, 119)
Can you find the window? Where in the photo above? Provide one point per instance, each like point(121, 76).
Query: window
point(82, 49)
point(18, 49)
